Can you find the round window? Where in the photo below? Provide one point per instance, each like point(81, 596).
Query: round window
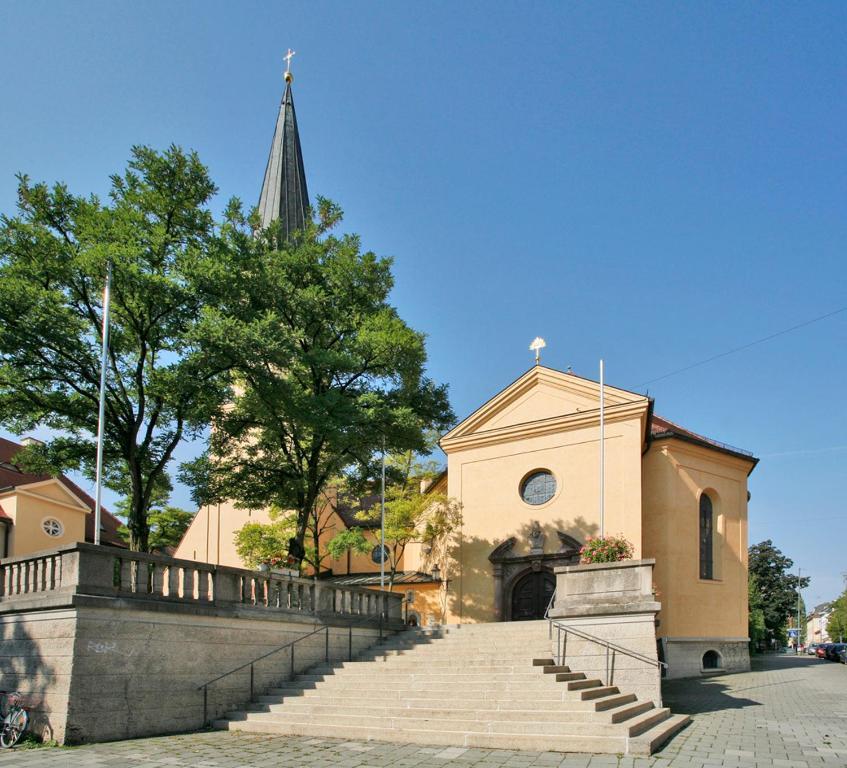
point(379, 554)
point(52, 527)
point(538, 488)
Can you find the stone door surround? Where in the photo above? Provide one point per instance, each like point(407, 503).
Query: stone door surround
point(508, 567)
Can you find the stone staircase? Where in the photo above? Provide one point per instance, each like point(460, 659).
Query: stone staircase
point(478, 685)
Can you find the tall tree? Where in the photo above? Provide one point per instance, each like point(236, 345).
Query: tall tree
point(836, 625)
point(776, 586)
point(156, 231)
point(756, 629)
point(327, 370)
point(167, 524)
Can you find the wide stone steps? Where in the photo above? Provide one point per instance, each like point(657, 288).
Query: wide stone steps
point(478, 701)
point(550, 711)
point(540, 725)
point(491, 686)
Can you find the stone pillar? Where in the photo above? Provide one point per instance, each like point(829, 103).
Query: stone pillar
point(612, 602)
point(497, 569)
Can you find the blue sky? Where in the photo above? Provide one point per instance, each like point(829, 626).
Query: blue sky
point(651, 183)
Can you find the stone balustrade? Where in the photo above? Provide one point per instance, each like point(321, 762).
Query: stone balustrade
point(54, 578)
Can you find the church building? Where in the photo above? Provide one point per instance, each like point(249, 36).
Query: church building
point(525, 468)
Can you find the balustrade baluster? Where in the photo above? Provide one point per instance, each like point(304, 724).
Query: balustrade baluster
point(203, 585)
point(157, 579)
point(173, 580)
point(188, 583)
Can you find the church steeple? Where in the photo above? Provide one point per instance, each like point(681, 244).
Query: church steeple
point(284, 194)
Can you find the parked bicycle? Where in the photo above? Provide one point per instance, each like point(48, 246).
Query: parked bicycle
point(15, 718)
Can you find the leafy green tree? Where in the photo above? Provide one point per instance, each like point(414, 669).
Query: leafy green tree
point(157, 232)
point(167, 524)
point(410, 516)
point(258, 543)
point(327, 370)
point(756, 616)
point(836, 624)
point(776, 586)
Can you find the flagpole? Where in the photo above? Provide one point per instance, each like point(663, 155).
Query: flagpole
point(602, 453)
point(382, 523)
point(107, 292)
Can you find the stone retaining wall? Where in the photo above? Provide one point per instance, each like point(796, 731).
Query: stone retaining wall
point(96, 667)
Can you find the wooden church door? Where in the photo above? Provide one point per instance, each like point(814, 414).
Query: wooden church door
point(531, 595)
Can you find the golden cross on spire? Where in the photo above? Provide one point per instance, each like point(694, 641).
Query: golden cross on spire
point(288, 76)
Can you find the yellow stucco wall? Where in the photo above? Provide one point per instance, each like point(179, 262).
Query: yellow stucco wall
point(29, 506)
point(545, 420)
point(676, 473)
point(210, 538)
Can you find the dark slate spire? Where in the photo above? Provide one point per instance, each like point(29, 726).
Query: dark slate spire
point(284, 195)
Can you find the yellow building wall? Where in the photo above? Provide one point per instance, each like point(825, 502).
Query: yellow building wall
point(675, 474)
point(487, 480)
point(28, 511)
point(211, 538)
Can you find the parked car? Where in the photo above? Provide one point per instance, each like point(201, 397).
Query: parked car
point(820, 652)
point(842, 654)
point(832, 650)
point(811, 648)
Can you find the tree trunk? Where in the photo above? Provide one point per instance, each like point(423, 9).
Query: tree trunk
point(139, 529)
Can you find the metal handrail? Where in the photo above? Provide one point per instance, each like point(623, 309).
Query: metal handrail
point(361, 620)
point(613, 646)
point(608, 645)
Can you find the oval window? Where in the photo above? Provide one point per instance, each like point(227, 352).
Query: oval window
point(52, 527)
point(538, 488)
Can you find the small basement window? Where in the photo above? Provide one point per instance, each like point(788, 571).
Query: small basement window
point(711, 660)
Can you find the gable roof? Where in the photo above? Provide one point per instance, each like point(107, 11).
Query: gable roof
point(12, 476)
point(347, 509)
point(571, 401)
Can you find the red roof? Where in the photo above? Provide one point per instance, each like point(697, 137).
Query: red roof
point(12, 476)
point(661, 428)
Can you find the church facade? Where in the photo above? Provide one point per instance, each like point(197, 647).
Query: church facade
point(525, 468)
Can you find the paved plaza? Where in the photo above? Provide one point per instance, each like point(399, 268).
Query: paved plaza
point(787, 712)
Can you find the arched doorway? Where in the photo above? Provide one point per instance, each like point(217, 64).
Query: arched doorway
point(531, 595)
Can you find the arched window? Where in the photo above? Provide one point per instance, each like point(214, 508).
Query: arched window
point(707, 566)
point(711, 660)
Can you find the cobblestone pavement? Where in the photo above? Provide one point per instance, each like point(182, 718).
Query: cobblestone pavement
point(787, 712)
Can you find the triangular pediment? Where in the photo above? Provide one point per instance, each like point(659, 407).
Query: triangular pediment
point(540, 395)
point(54, 490)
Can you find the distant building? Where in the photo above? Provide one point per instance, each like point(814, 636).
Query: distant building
point(816, 624)
point(40, 512)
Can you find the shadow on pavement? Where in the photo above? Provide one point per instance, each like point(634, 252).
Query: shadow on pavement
point(691, 696)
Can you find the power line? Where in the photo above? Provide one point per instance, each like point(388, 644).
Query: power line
point(743, 347)
point(800, 451)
